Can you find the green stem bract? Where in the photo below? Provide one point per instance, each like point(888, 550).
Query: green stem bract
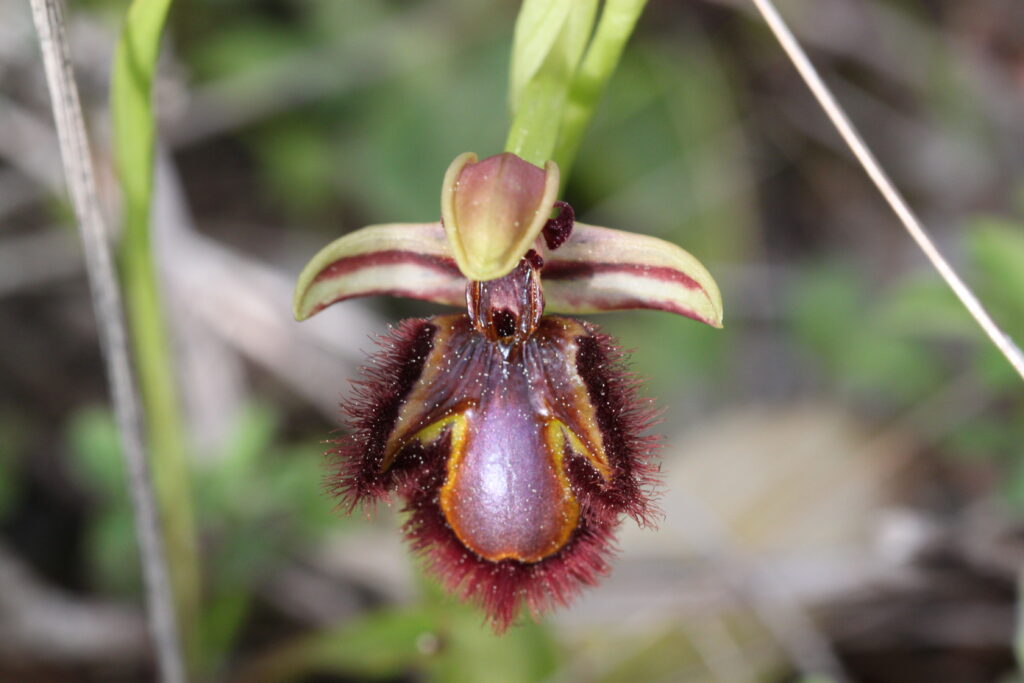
point(534, 131)
point(545, 56)
point(618, 20)
point(134, 135)
point(555, 85)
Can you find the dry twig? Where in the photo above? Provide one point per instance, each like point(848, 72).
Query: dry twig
point(885, 186)
point(78, 170)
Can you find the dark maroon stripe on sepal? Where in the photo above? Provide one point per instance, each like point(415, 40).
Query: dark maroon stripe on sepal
point(423, 294)
point(579, 270)
point(632, 303)
point(442, 264)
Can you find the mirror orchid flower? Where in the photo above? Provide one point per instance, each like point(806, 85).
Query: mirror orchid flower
point(517, 439)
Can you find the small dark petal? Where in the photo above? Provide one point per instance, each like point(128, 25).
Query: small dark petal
point(370, 414)
point(558, 229)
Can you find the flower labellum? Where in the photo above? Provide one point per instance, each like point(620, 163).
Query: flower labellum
point(516, 439)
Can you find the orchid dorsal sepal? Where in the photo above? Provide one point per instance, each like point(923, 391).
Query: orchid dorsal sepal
point(600, 269)
point(494, 210)
point(399, 259)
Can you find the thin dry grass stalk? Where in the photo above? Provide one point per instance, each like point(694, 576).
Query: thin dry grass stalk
point(880, 178)
point(106, 296)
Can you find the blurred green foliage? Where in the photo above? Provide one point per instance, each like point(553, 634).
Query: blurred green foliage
point(895, 346)
point(863, 354)
point(551, 37)
point(441, 638)
point(95, 445)
point(257, 501)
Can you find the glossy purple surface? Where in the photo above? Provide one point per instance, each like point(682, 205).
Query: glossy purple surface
point(507, 495)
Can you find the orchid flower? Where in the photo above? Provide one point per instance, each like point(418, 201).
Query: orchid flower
point(516, 439)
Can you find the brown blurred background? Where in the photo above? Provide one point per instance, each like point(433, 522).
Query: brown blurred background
point(844, 469)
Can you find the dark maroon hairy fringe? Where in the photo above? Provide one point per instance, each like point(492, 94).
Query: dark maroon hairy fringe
point(625, 419)
point(502, 588)
point(372, 411)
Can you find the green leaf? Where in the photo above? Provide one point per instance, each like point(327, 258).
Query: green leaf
point(297, 163)
point(251, 438)
point(132, 81)
point(112, 557)
point(383, 644)
point(555, 88)
point(223, 615)
point(984, 437)
point(95, 447)
point(827, 303)
point(921, 306)
point(833, 315)
point(537, 27)
point(664, 162)
point(94, 441)
point(442, 637)
point(884, 367)
point(314, 511)
point(618, 18)
point(997, 248)
point(134, 130)
point(550, 59)
point(242, 46)
point(471, 651)
point(261, 504)
point(697, 352)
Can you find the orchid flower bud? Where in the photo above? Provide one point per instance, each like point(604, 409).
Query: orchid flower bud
point(494, 210)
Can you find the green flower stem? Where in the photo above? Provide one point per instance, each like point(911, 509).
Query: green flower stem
point(549, 42)
point(534, 131)
point(164, 426)
point(554, 93)
point(134, 132)
point(616, 25)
